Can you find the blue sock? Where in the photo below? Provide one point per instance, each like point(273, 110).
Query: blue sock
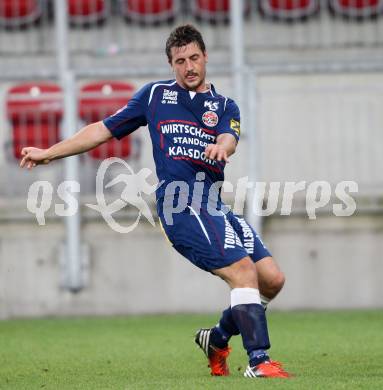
point(226, 328)
point(258, 356)
point(251, 322)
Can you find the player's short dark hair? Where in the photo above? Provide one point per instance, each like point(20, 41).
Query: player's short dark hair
point(182, 36)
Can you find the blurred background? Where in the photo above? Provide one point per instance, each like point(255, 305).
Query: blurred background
point(308, 76)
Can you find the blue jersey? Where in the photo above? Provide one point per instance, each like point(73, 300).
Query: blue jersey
point(181, 124)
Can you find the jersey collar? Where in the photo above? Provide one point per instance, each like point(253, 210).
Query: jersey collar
point(210, 91)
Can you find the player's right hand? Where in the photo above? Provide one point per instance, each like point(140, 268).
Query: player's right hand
point(32, 157)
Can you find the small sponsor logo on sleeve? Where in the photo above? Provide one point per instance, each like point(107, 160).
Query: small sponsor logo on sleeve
point(235, 126)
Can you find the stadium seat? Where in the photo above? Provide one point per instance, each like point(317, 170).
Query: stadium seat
point(86, 12)
point(19, 13)
point(34, 111)
point(211, 10)
point(99, 100)
point(357, 9)
point(288, 10)
point(149, 11)
point(215, 11)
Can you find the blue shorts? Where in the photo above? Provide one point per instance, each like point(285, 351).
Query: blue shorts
point(212, 241)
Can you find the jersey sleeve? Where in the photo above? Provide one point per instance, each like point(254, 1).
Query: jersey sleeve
point(230, 121)
point(130, 117)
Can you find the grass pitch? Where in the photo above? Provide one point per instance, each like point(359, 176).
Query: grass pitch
point(325, 350)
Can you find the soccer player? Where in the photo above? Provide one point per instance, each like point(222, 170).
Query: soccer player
point(194, 131)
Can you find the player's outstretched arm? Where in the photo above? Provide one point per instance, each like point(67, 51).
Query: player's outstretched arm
point(222, 149)
point(86, 139)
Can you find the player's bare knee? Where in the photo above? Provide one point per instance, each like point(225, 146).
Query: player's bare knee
point(280, 281)
point(276, 284)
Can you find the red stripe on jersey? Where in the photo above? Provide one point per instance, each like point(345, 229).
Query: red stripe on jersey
point(214, 169)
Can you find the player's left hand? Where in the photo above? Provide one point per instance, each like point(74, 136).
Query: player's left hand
point(216, 152)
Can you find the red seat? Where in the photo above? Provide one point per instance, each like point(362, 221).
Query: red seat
point(215, 10)
point(288, 9)
point(85, 12)
point(149, 11)
point(19, 13)
point(35, 111)
point(28, 135)
point(99, 100)
point(358, 9)
point(211, 10)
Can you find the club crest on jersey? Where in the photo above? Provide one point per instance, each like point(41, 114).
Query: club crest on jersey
point(169, 97)
point(212, 106)
point(210, 118)
point(235, 126)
